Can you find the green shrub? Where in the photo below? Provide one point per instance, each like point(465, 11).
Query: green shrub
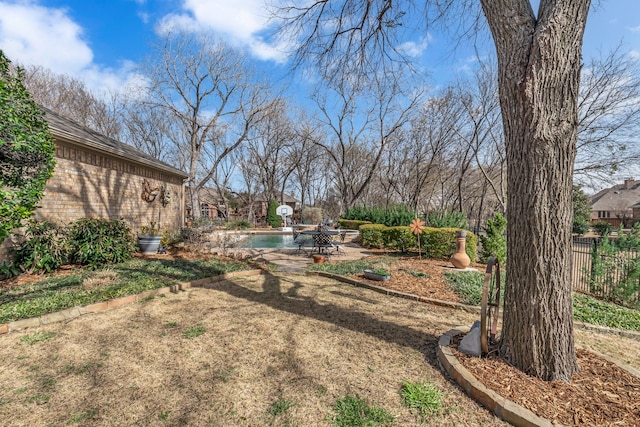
point(372, 235)
point(602, 228)
point(443, 219)
point(351, 224)
point(435, 242)
point(399, 238)
point(494, 243)
point(580, 227)
point(441, 242)
point(273, 219)
point(391, 216)
point(615, 271)
point(97, 242)
point(45, 248)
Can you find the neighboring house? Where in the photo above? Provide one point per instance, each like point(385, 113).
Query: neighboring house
point(212, 204)
point(617, 205)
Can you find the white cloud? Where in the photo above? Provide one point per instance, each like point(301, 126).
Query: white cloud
point(31, 34)
point(415, 49)
point(634, 29)
point(635, 54)
point(241, 22)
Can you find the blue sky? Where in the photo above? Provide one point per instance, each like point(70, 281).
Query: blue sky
point(102, 41)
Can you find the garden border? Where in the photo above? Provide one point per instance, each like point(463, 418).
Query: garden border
point(459, 306)
point(502, 407)
point(74, 312)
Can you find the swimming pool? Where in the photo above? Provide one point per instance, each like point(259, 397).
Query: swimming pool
point(268, 241)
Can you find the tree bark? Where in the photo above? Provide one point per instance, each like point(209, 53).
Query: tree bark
point(539, 62)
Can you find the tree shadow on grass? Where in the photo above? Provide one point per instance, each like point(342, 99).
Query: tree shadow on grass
point(294, 303)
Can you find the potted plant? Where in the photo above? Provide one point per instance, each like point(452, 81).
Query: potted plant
point(379, 274)
point(149, 238)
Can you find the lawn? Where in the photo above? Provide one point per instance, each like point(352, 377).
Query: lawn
point(273, 349)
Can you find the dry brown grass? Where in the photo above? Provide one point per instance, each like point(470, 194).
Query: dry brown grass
point(304, 340)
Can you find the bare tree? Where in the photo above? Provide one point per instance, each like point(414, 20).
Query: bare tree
point(420, 156)
point(271, 145)
point(70, 97)
point(539, 59)
point(609, 117)
point(360, 123)
point(208, 93)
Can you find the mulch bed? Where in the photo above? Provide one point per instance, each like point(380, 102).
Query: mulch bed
point(601, 394)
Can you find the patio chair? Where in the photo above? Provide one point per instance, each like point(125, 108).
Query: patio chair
point(303, 242)
point(338, 244)
point(324, 243)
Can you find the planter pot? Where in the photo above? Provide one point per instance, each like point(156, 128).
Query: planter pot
point(372, 275)
point(318, 259)
point(149, 244)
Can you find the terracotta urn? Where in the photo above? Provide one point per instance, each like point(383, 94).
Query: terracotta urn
point(460, 259)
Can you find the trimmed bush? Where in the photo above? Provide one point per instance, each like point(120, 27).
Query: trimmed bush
point(372, 235)
point(435, 242)
point(351, 224)
point(399, 238)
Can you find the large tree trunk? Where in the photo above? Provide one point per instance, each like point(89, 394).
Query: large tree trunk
point(539, 69)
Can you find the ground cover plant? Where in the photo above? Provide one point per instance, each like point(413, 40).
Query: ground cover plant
point(585, 308)
point(86, 287)
point(467, 286)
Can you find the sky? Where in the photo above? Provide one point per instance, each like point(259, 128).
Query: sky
point(101, 42)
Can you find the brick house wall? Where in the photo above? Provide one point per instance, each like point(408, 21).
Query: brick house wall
point(90, 184)
point(98, 177)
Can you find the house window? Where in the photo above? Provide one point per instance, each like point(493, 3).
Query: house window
point(604, 214)
point(204, 210)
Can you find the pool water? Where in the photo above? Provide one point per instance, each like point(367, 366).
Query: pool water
point(268, 241)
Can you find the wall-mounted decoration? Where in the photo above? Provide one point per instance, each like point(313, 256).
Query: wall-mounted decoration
point(165, 196)
point(149, 194)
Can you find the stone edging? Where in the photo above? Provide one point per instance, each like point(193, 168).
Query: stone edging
point(458, 306)
point(72, 313)
point(391, 292)
point(503, 408)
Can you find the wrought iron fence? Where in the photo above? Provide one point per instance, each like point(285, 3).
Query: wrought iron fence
point(611, 275)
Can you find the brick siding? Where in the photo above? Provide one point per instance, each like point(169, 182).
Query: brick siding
point(91, 184)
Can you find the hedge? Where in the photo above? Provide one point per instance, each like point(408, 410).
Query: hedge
point(434, 242)
point(351, 224)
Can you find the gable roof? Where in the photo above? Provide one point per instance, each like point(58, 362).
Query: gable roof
point(67, 130)
point(619, 197)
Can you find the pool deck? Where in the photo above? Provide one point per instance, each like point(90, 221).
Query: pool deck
point(290, 260)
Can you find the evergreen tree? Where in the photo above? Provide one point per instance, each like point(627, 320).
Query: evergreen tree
point(494, 243)
point(273, 219)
